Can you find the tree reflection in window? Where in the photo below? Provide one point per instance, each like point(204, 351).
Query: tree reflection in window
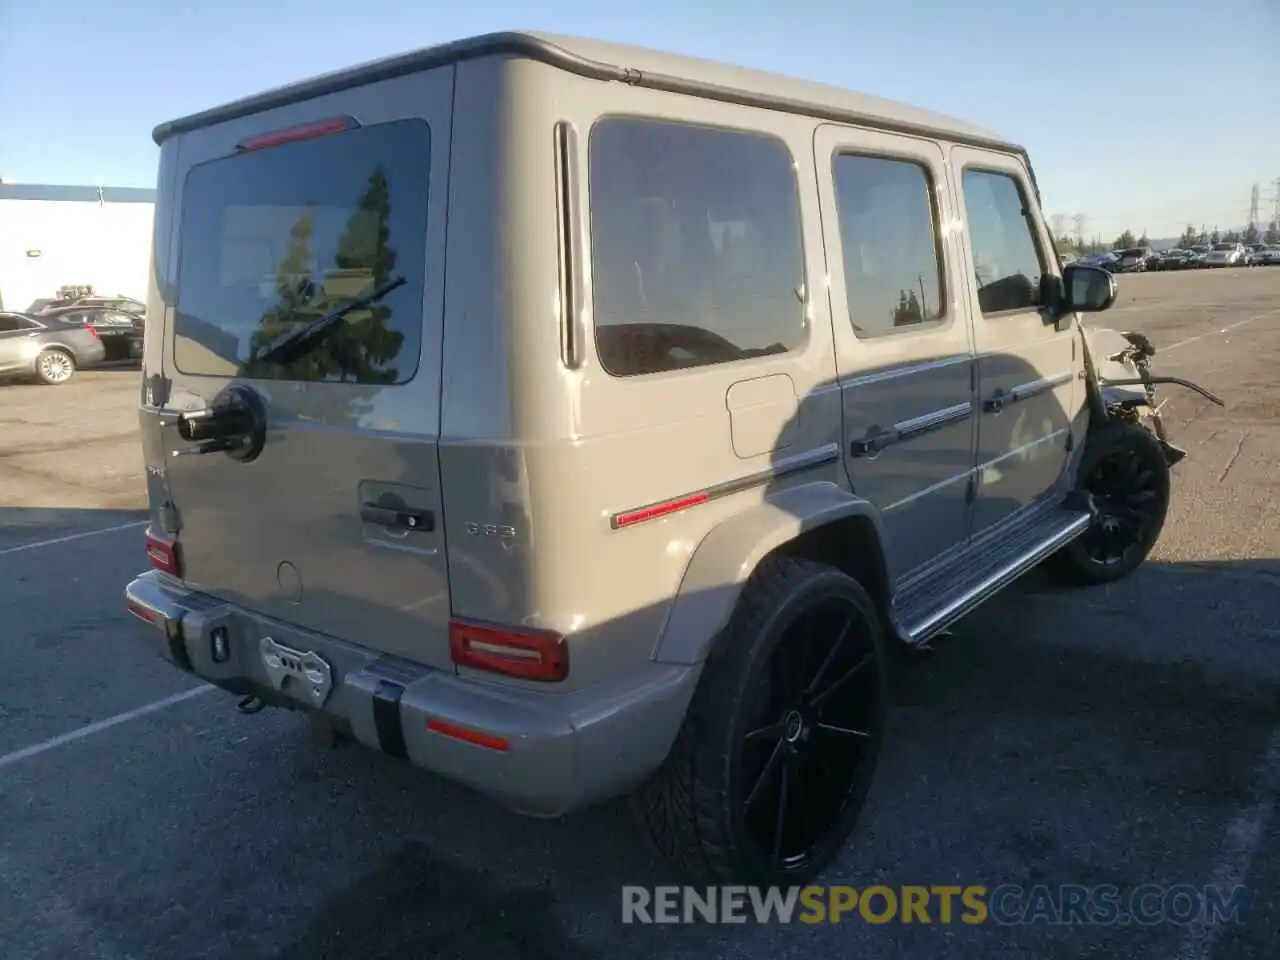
point(362, 348)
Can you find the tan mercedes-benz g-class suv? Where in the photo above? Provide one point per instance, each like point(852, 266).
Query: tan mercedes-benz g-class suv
point(575, 420)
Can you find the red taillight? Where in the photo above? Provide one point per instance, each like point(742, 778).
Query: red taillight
point(164, 555)
point(526, 654)
point(93, 332)
point(307, 131)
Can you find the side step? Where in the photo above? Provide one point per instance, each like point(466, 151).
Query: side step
point(933, 601)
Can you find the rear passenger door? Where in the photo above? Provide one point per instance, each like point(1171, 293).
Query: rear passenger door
point(1026, 358)
point(903, 344)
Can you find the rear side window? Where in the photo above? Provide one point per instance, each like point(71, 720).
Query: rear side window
point(1006, 257)
point(696, 246)
point(892, 272)
point(279, 237)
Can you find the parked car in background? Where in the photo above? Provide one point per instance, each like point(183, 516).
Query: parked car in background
point(1133, 260)
point(120, 332)
point(1106, 261)
point(1198, 252)
point(124, 304)
point(1173, 259)
point(1266, 257)
point(1224, 255)
point(48, 348)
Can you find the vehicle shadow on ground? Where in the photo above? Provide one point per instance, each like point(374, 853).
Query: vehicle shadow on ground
point(1150, 699)
point(1059, 701)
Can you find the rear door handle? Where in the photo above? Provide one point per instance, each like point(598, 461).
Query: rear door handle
point(422, 520)
point(875, 441)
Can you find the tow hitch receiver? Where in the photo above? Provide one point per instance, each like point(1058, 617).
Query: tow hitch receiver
point(286, 666)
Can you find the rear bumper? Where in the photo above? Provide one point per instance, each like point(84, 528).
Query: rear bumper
point(562, 750)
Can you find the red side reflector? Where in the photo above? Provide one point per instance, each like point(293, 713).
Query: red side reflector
point(466, 734)
point(526, 654)
point(164, 555)
point(306, 131)
point(141, 612)
point(657, 510)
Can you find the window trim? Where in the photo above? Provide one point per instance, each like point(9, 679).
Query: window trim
point(946, 317)
point(178, 232)
point(806, 324)
point(1037, 241)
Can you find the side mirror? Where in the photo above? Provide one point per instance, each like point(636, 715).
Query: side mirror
point(1087, 289)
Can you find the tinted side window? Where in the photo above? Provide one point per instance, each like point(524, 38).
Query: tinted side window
point(9, 324)
point(892, 272)
point(1006, 256)
point(696, 246)
point(276, 238)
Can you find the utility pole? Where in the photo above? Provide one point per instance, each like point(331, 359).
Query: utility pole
point(1254, 212)
point(1275, 213)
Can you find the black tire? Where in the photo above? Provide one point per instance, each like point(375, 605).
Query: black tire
point(815, 621)
point(55, 366)
point(1124, 469)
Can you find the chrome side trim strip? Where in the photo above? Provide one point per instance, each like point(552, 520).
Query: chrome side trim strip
point(797, 463)
point(932, 421)
point(905, 371)
point(1025, 390)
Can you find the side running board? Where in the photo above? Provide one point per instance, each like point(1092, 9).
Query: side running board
point(933, 601)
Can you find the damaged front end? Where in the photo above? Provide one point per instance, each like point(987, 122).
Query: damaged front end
point(1123, 387)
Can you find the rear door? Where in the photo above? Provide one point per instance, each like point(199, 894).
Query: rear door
point(279, 218)
point(902, 337)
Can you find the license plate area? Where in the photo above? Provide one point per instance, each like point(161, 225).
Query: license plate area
point(299, 673)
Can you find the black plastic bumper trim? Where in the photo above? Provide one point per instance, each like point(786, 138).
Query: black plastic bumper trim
point(386, 719)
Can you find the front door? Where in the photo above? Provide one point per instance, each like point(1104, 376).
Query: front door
point(1027, 358)
point(905, 361)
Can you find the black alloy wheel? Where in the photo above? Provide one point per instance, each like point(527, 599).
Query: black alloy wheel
point(777, 752)
point(818, 714)
point(1125, 474)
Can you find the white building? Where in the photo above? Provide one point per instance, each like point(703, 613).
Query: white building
point(54, 236)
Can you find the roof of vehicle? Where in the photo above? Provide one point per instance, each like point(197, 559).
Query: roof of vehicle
point(614, 61)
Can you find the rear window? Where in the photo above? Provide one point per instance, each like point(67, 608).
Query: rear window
point(277, 238)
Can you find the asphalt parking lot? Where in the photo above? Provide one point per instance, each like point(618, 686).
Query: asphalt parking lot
point(1126, 735)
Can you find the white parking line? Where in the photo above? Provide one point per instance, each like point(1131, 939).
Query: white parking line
point(90, 729)
point(1239, 847)
point(71, 536)
point(1229, 327)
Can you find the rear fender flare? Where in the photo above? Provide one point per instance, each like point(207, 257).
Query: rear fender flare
point(726, 557)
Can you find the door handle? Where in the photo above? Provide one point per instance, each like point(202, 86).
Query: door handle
point(873, 442)
point(422, 520)
point(997, 401)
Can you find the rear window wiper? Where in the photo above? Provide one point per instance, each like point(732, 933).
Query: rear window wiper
point(301, 340)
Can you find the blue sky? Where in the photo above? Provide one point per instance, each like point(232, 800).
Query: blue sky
point(1142, 114)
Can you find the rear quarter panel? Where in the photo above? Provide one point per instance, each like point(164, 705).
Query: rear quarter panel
point(537, 456)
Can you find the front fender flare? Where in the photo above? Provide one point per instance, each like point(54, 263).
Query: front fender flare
point(727, 555)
